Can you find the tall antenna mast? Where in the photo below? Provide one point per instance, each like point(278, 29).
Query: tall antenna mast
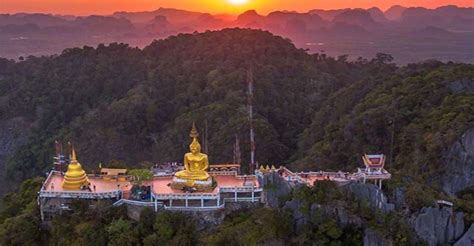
point(237, 155)
point(206, 138)
point(250, 109)
point(57, 158)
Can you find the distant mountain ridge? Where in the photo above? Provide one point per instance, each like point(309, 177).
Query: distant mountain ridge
point(355, 32)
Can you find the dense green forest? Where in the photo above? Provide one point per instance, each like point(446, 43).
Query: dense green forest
point(121, 103)
point(124, 104)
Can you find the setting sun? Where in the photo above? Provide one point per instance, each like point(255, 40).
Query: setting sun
point(237, 2)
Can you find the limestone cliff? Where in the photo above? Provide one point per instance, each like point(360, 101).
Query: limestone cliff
point(372, 238)
point(275, 187)
point(467, 239)
point(459, 164)
point(438, 226)
point(371, 194)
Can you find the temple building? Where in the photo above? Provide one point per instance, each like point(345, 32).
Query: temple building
point(196, 186)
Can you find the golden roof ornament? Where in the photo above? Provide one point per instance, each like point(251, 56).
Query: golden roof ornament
point(194, 133)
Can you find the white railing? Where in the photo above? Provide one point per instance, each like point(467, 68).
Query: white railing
point(80, 194)
point(242, 199)
point(136, 203)
point(118, 203)
point(204, 208)
point(229, 173)
point(361, 174)
point(189, 196)
point(240, 189)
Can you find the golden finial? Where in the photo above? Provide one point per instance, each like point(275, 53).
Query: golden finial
point(267, 168)
point(262, 168)
point(194, 133)
point(273, 168)
point(72, 155)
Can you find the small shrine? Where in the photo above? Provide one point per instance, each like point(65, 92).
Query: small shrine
point(374, 163)
point(374, 168)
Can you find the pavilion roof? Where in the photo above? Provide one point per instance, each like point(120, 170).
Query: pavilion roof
point(377, 160)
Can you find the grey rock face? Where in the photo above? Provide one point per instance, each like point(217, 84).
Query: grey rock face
point(372, 194)
point(372, 238)
point(462, 85)
point(299, 218)
point(438, 225)
point(341, 215)
point(467, 239)
point(399, 197)
point(459, 162)
point(275, 187)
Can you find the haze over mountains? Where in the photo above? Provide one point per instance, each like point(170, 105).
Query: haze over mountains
point(409, 34)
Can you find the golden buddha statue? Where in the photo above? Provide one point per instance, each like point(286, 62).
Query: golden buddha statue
point(75, 176)
point(195, 166)
point(195, 162)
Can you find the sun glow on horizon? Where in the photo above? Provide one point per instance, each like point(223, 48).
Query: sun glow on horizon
point(235, 7)
point(238, 2)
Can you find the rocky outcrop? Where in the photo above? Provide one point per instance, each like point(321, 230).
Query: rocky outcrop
point(371, 194)
point(467, 239)
point(398, 198)
point(462, 85)
point(340, 214)
point(275, 187)
point(300, 218)
point(302, 214)
point(438, 226)
point(459, 163)
point(372, 238)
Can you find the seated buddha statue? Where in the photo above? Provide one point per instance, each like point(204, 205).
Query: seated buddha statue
point(195, 162)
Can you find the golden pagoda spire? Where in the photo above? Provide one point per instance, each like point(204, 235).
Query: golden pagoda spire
point(73, 155)
point(194, 133)
point(75, 177)
point(273, 168)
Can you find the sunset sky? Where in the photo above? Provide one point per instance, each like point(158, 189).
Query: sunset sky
point(86, 7)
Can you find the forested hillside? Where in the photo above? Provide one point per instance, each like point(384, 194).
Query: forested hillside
point(121, 103)
point(128, 106)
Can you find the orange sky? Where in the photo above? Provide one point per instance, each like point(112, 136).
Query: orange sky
point(86, 7)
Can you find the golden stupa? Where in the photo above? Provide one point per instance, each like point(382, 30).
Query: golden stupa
point(75, 176)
